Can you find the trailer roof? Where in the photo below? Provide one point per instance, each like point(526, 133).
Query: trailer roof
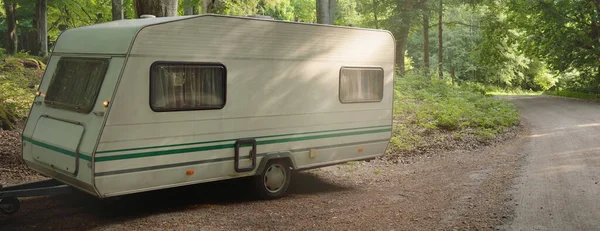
point(106, 38)
point(116, 37)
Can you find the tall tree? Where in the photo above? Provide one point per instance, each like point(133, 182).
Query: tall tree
point(331, 8)
point(10, 7)
point(322, 11)
point(440, 41)
point(158, 8)
point(207, 6)
point(376, 13)
point(326, 11)
point(564, 33)
point(426, 38)
point(42, 26)
point(117, 10)
point(405, 13)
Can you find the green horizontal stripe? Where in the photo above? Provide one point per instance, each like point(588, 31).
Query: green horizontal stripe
point(56, 149)
point(226, 146)
point(229, 140)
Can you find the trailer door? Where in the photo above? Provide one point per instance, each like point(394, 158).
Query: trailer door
point(57, 143)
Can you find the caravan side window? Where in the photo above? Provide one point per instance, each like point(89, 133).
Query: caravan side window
point(361, 84)
point(187, 86)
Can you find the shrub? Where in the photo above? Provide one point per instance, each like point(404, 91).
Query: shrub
point(575, 94)
point(423, 106)
point(18, 81)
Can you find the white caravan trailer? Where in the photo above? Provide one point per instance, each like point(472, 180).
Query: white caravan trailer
point(137, 105)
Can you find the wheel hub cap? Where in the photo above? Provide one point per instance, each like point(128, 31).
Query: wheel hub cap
point(274, 178)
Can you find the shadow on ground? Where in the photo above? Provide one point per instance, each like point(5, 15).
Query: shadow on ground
point(88, 211)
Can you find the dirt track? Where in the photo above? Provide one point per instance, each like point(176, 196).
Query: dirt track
point(559, 188)
point(547, 179)
point(448, 190)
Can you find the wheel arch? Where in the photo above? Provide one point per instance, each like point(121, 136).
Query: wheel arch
point(286, 156)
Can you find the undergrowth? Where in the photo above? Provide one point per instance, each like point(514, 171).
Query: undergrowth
point(575, 94)
point(432, 108)
point(512, 92)
point(19, 77)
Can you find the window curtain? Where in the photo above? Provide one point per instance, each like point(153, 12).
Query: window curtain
point(359, 85)
point(188, 87)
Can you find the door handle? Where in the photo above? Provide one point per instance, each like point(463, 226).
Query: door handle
point(99, 113)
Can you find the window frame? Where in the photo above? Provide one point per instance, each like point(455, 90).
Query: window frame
point(199, 64)
point(58, 105)
point(362, 67)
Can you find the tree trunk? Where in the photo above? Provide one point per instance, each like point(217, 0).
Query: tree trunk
point(42, 26)
point(189, 8)
point(158, 8)
point(401, 47)
point(440, 42)
point(452, 75)
point(205, 6)
point(331, 12)
point(117, 10)
point(11, 26)
point(406, 14)
point(375, 11)
point(426, 40)
point(323, 11)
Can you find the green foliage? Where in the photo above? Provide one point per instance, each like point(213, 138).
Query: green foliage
point(424, 106)
point(278, 9)
point(408, 62)
point(281, 10)
point(481, 46)
point(305, 10)
point(346, 14)
point(494, 90)
point(18, 80)
point(575, 94)
point(544, 79)
point(564, 34)
point(76, 13)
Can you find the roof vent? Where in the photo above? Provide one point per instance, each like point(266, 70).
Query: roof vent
point(147, 16)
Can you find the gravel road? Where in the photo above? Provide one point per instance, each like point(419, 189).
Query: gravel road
point(559, 186)
point(448, 190)
point(544, 178)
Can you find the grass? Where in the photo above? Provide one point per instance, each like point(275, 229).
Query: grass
point(426, 107)
point(575, 94)
point(513, 92)
point(19, 76)
point(493, 90)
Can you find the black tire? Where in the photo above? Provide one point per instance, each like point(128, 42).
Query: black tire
point(268, 189)
point(13, 205)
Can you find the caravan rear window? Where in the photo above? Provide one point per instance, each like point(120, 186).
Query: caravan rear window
point(361, 84)
point(76, 83)
point(187, 86)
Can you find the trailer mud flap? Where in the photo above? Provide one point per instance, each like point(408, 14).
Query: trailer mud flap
point(240, 146)
point(57, 143)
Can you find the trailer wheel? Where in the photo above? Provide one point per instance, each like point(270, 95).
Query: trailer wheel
point(9, 205)
point(274, 180)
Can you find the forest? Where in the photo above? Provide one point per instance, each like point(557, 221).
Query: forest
point(510, 44)
point(487, 46)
